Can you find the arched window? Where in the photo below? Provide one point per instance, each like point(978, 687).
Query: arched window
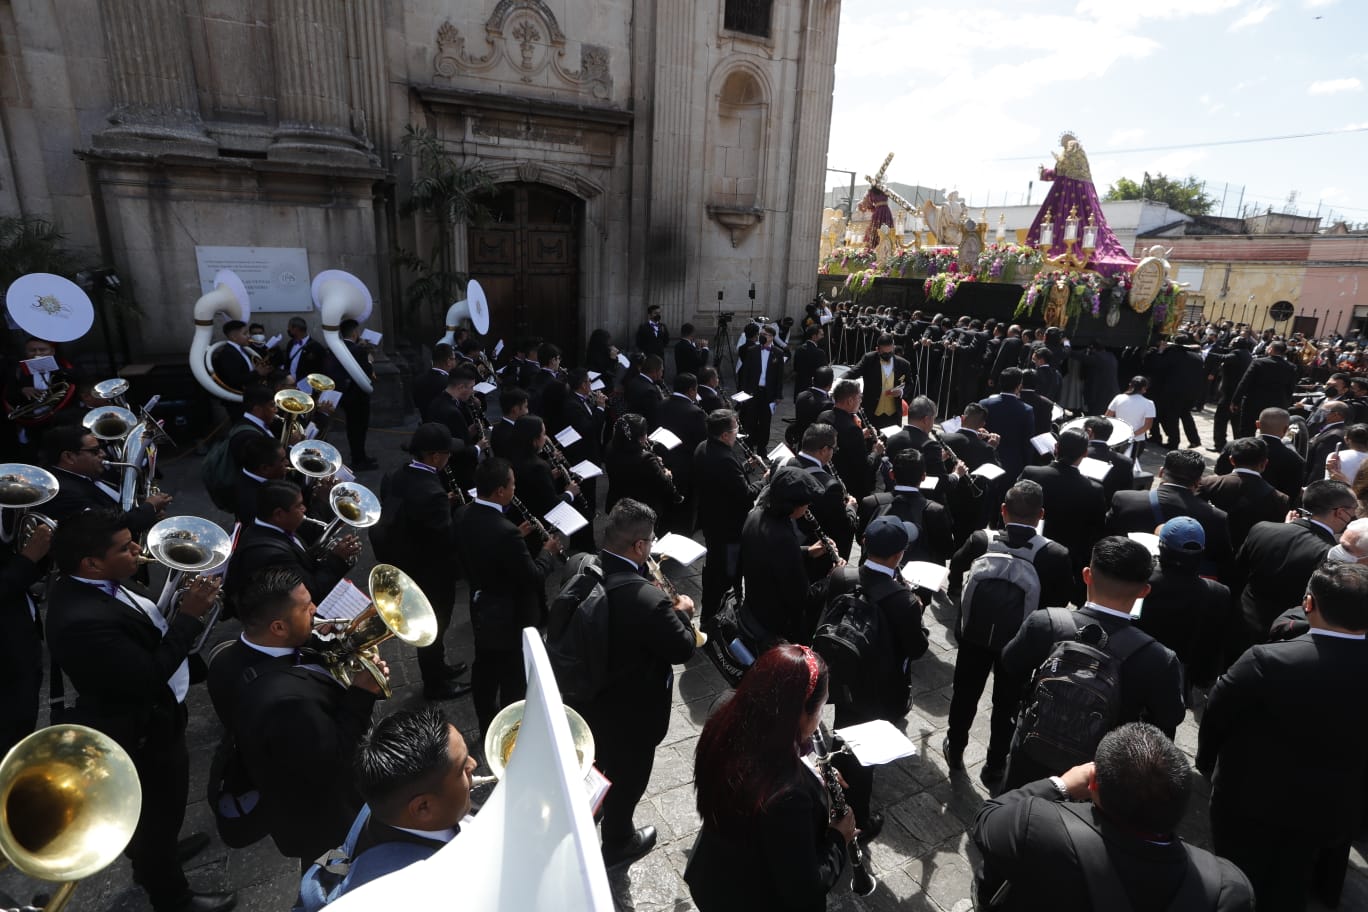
point(749, 16)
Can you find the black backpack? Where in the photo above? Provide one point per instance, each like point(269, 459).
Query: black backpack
point(848, 637)
point(1075, 695)
point(1001, 591)
point(577, 631)
point(219, 471)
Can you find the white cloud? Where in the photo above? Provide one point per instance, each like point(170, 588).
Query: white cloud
point(1127, 137)
point(1258, 13)
point(1334, 86)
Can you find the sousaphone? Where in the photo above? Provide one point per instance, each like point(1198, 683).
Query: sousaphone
point(228, 297)
point(473, 307)
point(53, 309)
point(341, 296)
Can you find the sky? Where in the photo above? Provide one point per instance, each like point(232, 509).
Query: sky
point(974, 98)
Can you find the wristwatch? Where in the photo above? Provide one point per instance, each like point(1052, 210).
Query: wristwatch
point(1061, 788)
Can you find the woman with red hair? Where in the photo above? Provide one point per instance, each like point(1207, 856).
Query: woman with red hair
point(768, 840)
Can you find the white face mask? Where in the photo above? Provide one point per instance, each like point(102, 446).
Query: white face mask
point(258, 338)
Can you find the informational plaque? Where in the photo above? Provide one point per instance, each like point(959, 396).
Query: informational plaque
point(277, 278)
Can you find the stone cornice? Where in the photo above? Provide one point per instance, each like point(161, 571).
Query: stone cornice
point(465, 100)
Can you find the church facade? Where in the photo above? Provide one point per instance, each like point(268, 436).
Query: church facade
point(642, 152)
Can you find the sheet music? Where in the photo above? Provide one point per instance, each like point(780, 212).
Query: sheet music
point(152, 403)
point(1095, 469)
point(1056, 413)
point(498, 349)
point(950, 425)
point(1148, 539)
point(926, 575)
point(42, 365)
point(624, 360)
point(586, 469)
point(311, 431)
point(678, 547)
point(781, 453)
point(740, 397)
point(568, 437)
point(344, 474)
point(930, 483)
point(665, 437)
point(597, 385)
point(273, 341)
point(371, 336)
point(877, 742)
point(889, 430)
point(485, 387)
point(566, 518)
point(329, 397)
point(345, 601)
point(988, 471)
point(593, 375)
point(1043, 443)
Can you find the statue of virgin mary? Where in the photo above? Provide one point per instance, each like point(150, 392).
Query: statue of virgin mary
point(1073, 189)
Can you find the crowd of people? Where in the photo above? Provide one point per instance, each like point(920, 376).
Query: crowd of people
point(1104, 604)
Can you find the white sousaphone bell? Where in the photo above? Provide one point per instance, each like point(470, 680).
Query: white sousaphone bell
point(473, 307)
point(228, 297)
point(340, 296)
point(53, 309)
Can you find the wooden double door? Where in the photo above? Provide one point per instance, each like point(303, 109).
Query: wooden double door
point(527, 260)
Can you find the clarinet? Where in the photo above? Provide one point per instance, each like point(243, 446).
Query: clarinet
point(660, 464)
point(948, 461)
point(747, 454)
point(453, 484)
point(528, 516)
point(862, 882)
point(828, 545)
point(553, 454)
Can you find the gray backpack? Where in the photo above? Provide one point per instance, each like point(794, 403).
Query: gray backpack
point(1002, 590)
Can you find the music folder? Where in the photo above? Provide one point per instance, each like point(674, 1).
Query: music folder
point(586, 469)
point(568, 437)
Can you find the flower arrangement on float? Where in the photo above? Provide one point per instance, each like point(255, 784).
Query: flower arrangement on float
point(1062, 296)
point(1167, 310)
point(943, 285)
point(847, 260)
point(1008, 263)
point(857, 283)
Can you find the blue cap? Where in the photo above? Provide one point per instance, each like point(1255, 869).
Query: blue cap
point(887, 535)
point(1182, 534)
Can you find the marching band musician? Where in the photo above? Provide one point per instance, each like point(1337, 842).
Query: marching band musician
point(641, 391)
point(258, 419)
point(725, 495)
point(916, 435)
point(272, 540)
point(546, 390)
point(263, 461)
point(507, 581)
point(634, 471)
point(236, 364)
point(416, 534)
point(809, 403)
point(452, 408)
point(762, 376)
point(513, 402)
point(834, 509)
point(856, 459)
point(541, 486)
point(885, 376)
point(710, 397)
point(934, 538)
point(807, 358)
point(21, 651)
point(295, 726)
point(584, 411)
point(774, 559)
point(680, 415)
point(25, 386)
point(129, 666)
point(431, 384)
point(76, 458)
point(303, 355)
point(356, 402)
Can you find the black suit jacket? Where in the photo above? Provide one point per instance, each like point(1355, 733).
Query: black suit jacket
point(426, 388)
point(119, 663)
point(311, 359)
point(1246, 500)
point(1282, 713)
point(507, 585)
point(458, 419)
point(1024, 840)
point(1042, 407)
point(643, 397)
point(1320, 448)
point(259, 548)
point(1008, 354)
point(830, 510)
point(710, 400)
point(853, 461)
point(688, 422)
point(689, 357)
point(1131, 512)
point(295, 725)
point(1232, 367)
point(870, 371)
point(638, 475)
point(1122, 474)
point(1285, 468)
point(1014, 422)
point(652, 341)
point(885, 692)
point(1266, 383)
point(809, 405)
point(76, 494)
point(1273, 567)
point(1075, 510)
point(1190, 615)
point(725, 492)
point(806, 359)
point(748, 378)
point(587, 419)
point(245, 489)
point(231, 368)
point(936, 534)
point(500, 436)
point(777, 593)
point(416, 531)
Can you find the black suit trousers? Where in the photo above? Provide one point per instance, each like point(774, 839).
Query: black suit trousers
point(755, 420)
point(357, 406)
point(432, 658)
point(1170, 413)
point(1220, 421)
point(721, 571)
point(163, 766)
point(626, 758)
point(973, 664)
point(1279, 865)
point(497, 679)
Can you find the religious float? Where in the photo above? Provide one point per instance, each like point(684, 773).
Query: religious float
point(1067, 270)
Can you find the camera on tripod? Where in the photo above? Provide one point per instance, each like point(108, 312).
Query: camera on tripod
point(724, 317)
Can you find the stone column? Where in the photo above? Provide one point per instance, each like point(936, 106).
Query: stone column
point(308, 39)
point(152, 78)
point(668, 250)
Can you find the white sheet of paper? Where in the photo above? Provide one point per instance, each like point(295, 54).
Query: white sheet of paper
point(1095, 469)
point(311, 431)
point(1056, 413)
point(484, 386)
point(930, 483)
point(781, 453)
point(498, 348)
point(586, 469)
point(950, 425)
point(988, 471)
point(41, 365)
point(740, 397)
point(568, 436)
point(273, 341)
point(345, 601)
point(1138, 608)
point(926, 575)
point(1148, 539)
point(594, 375)
point(371, 336)
point(303, 387)
point(889, 430)
point(665, 437)
point(1043, 443)
point(566, 518)
point(344, 474)
point(597, 385)
point(877, 742)
point(624, 360)
point(332, 397)
point(679, 548)
point(826, 318)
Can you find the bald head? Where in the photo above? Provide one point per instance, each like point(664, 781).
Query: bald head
point(1273, 421)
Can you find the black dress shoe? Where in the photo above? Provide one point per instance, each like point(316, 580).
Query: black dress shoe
point(191, 846)
point(642, 841)
point(954, 756)
point(456, 670)
point(204, 902)
point(871, 830)
point(445, 690)
point(992, 773)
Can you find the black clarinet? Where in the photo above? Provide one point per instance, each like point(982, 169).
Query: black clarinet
point(453, 484)
point(949, 460)
point(553, 454)
point(747, 454)
point(675, 496)
point(862, 882)
point(530, 517)
point(828, 545)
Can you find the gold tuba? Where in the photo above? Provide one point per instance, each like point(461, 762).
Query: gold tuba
point(320, 383)
point(70, 799)
point(294, 405)
point(23, 487)
point(398, 609)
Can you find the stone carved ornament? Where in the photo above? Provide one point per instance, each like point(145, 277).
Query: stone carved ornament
point(526, 35)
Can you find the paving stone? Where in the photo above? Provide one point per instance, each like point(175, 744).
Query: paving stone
point(678, 809)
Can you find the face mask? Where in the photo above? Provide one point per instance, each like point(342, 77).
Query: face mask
point(1331, 391)
point(258, 338)
point(885, 356)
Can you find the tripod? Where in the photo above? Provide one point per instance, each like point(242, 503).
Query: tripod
point(724, 352)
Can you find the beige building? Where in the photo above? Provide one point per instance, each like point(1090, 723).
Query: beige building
point(644, 152)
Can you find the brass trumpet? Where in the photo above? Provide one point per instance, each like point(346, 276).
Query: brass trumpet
point(398, 609)
point(294, 405)
point(71, 801)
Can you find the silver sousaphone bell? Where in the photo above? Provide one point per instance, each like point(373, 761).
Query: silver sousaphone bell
point(315, 458)
point(23, 487)
point(186, 545)
point(110, 422)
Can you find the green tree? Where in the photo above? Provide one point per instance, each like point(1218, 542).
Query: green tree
point(29, 244)
point(1185, 196)
point(448, 194)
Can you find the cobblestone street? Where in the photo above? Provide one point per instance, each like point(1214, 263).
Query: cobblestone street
point(922, 859)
